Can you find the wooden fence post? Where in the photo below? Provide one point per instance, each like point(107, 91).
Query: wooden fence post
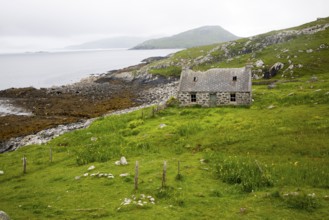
point(50, 154)
point(136, 176)
point(24, 164)
point(164, 174)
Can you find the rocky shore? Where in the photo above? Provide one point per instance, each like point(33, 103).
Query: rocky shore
point(57, 110)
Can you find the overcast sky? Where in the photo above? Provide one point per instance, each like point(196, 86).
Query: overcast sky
point(46, 24)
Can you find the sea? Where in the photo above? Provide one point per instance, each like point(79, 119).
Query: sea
point(46, 69)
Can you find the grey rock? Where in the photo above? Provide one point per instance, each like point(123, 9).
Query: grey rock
point(309, 51)
point(123, 161)
point(314, 79)
point(4, 216)
point(274, 70)
point(1, 172)
point(271, 86)
point(162, 125)
point(91, 167)
point(259, 63)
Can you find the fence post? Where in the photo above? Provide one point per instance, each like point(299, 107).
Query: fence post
point(24, 164)
point(164, 174)
point(142, 114)
point(50, 154)
point(136, 176)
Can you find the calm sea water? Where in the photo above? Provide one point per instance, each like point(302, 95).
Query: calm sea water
point(59, 68)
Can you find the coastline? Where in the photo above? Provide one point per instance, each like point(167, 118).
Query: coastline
point(57, 110)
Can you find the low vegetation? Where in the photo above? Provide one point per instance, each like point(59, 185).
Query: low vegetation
point(266, 161)
point(269, 160)
point(307, 52)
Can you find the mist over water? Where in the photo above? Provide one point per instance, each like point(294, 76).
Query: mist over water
point(58, 68)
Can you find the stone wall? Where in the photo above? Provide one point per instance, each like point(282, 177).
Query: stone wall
point(243, 98)
point(222, 98)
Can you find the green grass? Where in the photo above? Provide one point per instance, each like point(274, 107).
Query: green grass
point(247, 50)
point(235, 162)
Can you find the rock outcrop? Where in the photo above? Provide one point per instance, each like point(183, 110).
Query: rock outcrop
point(4, 216)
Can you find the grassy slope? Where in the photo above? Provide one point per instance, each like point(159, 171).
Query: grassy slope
point(289, 142)
point(316, 62)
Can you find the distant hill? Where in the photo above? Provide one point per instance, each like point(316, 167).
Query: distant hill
point(197, 37)
point(114, 42)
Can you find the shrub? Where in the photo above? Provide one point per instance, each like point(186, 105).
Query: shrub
point(248, 174)
point(301, 200)
point(167, 71)
point(188, 129)
point(135, 123)
point(172, 102)
point(93, 153)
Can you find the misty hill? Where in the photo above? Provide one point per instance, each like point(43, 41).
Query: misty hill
point(114, 42)
point(197, 37)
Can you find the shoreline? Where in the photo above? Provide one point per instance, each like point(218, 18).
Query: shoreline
point(57, 110)
point(8, 108)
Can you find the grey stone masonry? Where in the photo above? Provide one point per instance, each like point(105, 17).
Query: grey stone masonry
point(215, 87)
point(222, 98)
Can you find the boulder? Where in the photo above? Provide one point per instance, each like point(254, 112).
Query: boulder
point(273, 70)
point(271, 86)
point(259, 63)
point(1, 172)
point(91, 167)
point(4, 216)
point(123, 161)
point(314, 79)
point(160, 126)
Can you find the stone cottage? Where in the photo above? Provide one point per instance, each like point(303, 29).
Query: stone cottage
point(215, 87)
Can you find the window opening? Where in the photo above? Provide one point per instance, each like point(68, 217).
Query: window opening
point(233, 97)
point(193, 97)
point(235, 78)
point(195, 79)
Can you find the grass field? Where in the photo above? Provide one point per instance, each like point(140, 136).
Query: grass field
point(266, 161)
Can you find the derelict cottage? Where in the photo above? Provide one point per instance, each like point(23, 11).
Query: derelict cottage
point(215, 87)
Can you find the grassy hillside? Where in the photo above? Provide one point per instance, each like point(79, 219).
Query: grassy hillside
point(268, 161)
point(192, 38)
point(305, 47)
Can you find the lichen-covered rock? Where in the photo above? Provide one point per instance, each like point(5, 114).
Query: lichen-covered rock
point(274, 70)
point(259, 63)
point(123, 161)
point(4, 216)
